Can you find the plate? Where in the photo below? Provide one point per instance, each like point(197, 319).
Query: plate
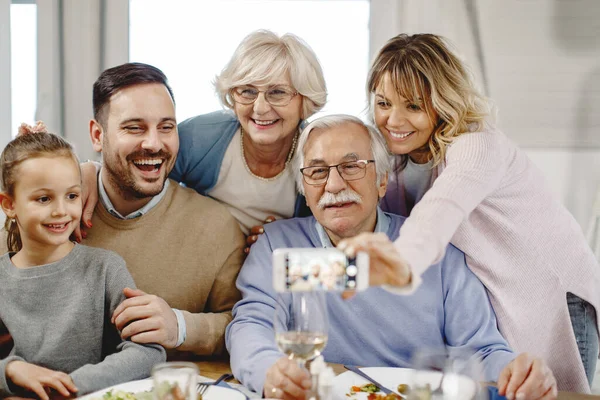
point(213, 392)
point(392, 377)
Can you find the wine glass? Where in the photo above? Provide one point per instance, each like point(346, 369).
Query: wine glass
point(446, 374)
point(175, 380)
point(301, 325)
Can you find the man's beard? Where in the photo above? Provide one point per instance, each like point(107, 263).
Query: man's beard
point(122, 179)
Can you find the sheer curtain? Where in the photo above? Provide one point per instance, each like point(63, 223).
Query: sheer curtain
point(457, 20)
point(77, 39)
point(5, 77)
point(593, 234)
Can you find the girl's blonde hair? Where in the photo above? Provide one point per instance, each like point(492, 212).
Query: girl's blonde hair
point(27, 145)
point(424, 70)
point(263, 57)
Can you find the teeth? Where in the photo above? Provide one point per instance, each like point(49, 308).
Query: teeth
point(149, 161)
point(54, 226)
point(264, 122)
point(400, 135)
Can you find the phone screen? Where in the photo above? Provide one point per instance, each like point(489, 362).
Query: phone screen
point(319, 270)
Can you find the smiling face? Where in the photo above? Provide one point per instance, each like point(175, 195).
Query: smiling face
point(266, 124)
point(343, 208)
point(46, 202)
point(405, 125)
point(139, 141)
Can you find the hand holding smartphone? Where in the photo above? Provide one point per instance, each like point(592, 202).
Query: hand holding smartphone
point(306, 270)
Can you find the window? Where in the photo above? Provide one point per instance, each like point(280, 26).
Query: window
point(23, 32)
point(191, 41)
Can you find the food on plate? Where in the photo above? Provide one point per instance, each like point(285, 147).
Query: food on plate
point(372, 389)
point(367, 387)
point(165, 391)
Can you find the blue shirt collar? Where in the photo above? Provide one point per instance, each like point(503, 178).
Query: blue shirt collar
point(382, 225)
point(138, 213)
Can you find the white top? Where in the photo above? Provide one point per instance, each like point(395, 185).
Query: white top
point(250, 199)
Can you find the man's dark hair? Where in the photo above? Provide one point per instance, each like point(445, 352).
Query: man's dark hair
point(114, 79)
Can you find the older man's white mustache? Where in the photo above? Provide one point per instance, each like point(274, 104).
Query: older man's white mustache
point(345, 196)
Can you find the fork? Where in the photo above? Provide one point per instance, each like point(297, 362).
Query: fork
point(201, 388)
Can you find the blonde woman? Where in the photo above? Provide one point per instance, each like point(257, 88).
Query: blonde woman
point(458, 179)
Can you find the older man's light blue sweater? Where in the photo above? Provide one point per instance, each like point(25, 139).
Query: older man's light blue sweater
point(374, 328)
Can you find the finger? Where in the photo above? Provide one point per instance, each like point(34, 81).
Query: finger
point(537, 383)
point(126, 304)
point(270, 218)
point(348, 294)
point(139, 326)
point(88, 210)
point(294, 373)
point(77, 233)
point(257, 230)
point(69, 384)
point(551, 394)
point(155, 336)
point(133, 314)
point(250, 240)
point(246, 250)
point(520, 370)
point(289, 387)
point(38, 389)
point(129, 292)
point(57, 385)
point(503, 380)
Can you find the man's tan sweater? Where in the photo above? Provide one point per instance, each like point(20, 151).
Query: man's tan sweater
point(187, 250)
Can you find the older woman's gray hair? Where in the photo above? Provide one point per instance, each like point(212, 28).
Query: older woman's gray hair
point(379, 149)
point(262, 57)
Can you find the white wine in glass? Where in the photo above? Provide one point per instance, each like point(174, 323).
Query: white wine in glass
point(301, 325)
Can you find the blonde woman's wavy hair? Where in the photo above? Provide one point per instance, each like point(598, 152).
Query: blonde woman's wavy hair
point(263, 57)
point(423, 69)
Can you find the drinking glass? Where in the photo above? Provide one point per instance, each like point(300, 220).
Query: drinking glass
point(301, 325)
point(175, 381)
point(446, 374)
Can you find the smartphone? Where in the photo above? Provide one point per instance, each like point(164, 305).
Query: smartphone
point(305, 270)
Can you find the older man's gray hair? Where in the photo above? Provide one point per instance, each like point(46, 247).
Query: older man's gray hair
point(381, 154)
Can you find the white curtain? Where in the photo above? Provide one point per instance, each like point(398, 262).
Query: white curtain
point(593, 234)
point(457, 20)
point(5, 77)
point(77, 40)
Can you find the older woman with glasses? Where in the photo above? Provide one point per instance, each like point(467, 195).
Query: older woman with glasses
point(243, 158)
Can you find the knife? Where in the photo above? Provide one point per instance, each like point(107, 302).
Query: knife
point(373, 381)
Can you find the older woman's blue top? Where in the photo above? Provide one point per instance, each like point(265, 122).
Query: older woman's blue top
point(203, 140)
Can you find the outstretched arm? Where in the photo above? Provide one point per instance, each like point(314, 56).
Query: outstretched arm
point(128, 360)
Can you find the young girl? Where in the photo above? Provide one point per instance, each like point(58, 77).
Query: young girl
point(471, 186)
point(57, 297)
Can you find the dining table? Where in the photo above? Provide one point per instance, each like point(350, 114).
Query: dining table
point(213, 369)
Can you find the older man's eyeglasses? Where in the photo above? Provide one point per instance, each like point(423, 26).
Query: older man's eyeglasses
point(274, 95)
point(349, 171)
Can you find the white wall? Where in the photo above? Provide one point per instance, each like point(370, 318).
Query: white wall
point(574, 175)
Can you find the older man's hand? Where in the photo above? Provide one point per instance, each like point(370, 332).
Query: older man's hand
point(386, 265)
point(528, 378)
point(146, 318)
point(286, 380)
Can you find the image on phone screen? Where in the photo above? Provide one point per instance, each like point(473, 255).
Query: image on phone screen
point(319, 270)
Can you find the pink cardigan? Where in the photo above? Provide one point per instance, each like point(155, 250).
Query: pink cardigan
point(491, 202)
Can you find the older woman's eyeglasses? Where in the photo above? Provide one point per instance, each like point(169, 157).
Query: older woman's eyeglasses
point(275, 95)
point(349, 171)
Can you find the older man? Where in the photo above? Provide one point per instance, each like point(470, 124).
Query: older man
point(183, 250)
point(344, 174)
